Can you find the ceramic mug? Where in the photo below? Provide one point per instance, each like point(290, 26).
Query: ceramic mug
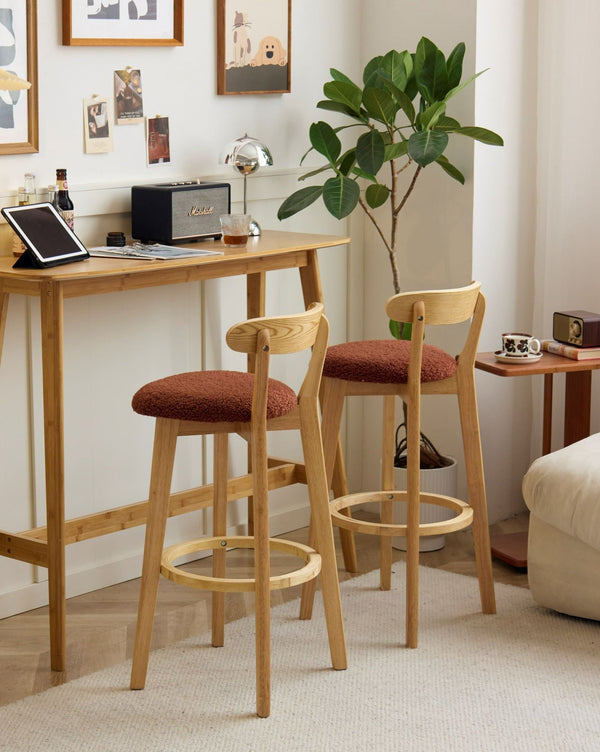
point(519, 345)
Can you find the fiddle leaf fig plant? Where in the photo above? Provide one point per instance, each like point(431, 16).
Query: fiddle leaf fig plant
point(401, 115)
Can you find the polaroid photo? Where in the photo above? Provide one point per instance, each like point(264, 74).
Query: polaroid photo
point(129, 102)
point(97, 125)
point(158, 149)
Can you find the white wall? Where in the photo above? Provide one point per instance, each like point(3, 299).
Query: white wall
point(567, 263)
point(504, 235)
point(115, 343)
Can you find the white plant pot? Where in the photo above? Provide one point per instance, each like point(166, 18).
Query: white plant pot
point(439, 480)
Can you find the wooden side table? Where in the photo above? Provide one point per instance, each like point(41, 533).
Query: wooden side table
point(512, 547)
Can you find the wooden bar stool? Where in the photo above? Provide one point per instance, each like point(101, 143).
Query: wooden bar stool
point(409, 369)
point(250, 404)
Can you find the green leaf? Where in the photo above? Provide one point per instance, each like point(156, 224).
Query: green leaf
point(377, 195)
point(403, 100)
point(481, 134)
point(393, 151)
point(393, 66)
point(454, 64)
point(447, 124)
point(430, 71)
point(453, 92)
point(370, 151)
point(312, 173)
point(347, 162)
point(425, 147)
point(347, 93)
point(325, 141)
point(328, 104)
point(432, 114)
point(400, 330)
point(450, 169)
point(362, 174)
point(371, 68)
point(340, 196)
point(380, 105)
point(299, 201)
point(339, 76)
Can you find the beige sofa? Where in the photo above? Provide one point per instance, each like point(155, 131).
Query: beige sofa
point(562, 492)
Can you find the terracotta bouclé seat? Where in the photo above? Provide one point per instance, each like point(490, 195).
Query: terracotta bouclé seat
point(385, 362)
point(219, 403)
point(409, 369)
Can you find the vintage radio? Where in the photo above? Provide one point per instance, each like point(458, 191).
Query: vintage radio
point(178, 212)
point(579, 328)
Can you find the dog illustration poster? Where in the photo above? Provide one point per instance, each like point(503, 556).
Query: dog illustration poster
point(253, 46)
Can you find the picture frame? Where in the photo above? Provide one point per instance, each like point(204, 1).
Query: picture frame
point(254, 46)
point(126, 23)
point(19, 116)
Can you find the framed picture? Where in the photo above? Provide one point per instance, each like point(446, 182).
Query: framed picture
point(253, 46)
point(122, 22)
point(18, 55)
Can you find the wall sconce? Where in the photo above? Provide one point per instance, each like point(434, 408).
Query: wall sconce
point(246, 155)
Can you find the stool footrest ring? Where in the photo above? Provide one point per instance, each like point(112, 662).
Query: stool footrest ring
point(463, 513)
point(309, 571)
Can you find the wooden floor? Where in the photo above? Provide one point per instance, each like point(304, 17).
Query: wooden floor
point(101, 625)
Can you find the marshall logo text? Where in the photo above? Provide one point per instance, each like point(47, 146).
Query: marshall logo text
point(203, 211)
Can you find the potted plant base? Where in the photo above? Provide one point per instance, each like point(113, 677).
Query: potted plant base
point(438, 475)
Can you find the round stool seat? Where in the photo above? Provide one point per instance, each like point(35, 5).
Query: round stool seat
point(384, 361)
point(462, 511)
point(308, 571)
point(210, 396)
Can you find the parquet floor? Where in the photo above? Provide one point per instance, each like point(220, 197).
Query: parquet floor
point(101, 624)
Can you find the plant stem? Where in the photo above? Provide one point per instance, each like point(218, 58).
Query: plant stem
point(391, 251)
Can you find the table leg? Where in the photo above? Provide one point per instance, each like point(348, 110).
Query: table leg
point(578, 402)
point(52, 374)
point(3, 313)
point(547, 419)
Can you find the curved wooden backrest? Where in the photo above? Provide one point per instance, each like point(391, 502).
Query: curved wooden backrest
point(441, 306)
point(287, 334)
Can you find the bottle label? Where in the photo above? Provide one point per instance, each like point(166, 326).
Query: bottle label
point(62, 185)
point(69, 217)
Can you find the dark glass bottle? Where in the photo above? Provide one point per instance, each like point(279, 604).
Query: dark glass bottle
point(64, 200)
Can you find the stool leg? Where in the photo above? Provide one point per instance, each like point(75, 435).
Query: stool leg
point(165, 439)
point(387, 484)
point(340, 488)
point(332, 403)
point(220, 451)
point(262, 573)
point(323, 531)
point(467, 403)
point(413, 477)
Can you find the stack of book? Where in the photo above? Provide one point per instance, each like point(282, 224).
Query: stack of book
point(570, 351)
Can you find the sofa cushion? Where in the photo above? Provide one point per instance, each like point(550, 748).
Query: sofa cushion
point(563, 490)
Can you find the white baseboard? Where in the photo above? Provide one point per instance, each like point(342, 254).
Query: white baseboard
point(35, 595)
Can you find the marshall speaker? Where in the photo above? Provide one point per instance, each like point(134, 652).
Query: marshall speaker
point(579, 328)
point(178, 212)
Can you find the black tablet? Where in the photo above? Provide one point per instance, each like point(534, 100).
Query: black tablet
point(48, 238)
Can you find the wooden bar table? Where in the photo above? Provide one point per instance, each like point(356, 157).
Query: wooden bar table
point(45, 546)
point(512, 547)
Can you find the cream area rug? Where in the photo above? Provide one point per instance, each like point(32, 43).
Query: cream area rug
point(526, 679)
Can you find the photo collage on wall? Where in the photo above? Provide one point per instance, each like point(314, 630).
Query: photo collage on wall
point(128, 108)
